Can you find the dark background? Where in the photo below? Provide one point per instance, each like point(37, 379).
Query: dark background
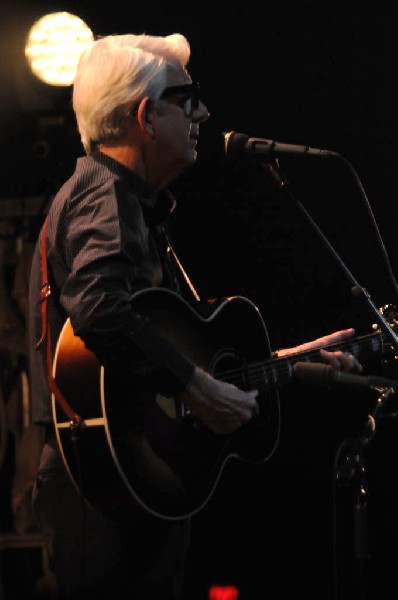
point(311, 75)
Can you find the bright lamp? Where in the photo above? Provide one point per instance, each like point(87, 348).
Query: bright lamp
point(53, 47)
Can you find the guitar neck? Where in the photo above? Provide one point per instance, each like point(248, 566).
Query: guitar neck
point(275, 373)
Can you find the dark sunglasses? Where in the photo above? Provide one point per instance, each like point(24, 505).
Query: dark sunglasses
point(185, 96)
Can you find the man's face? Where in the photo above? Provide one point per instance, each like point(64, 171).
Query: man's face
point(176, 119)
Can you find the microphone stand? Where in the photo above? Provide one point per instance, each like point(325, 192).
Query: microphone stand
point(352, 470)
point(272, 168)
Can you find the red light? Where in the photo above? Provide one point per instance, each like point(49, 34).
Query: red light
point(223, 592)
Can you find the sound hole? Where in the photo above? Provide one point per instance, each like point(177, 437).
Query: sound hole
point(230, 367)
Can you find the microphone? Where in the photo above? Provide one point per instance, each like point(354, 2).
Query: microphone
point(324, 375)
point(237, 145)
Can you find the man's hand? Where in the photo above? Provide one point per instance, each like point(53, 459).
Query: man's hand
point(223, 407)
point(338, 360)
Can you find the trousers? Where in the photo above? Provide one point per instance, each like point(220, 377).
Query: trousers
point(94, 557)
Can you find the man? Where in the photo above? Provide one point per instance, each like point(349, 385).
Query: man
point(105, 241)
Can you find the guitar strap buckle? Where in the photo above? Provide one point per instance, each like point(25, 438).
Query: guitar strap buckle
point(76, 425)
point(45, 291)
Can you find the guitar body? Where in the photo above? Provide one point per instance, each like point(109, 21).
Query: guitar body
point(138, 448)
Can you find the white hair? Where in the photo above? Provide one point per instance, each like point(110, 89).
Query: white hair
point(114, 73)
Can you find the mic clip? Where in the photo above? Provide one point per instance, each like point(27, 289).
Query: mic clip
point(273, 171)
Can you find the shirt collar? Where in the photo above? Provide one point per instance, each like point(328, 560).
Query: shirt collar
point(157, 204)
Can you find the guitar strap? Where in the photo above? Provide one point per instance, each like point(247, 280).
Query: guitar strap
point(45, 292)
point(183, 271)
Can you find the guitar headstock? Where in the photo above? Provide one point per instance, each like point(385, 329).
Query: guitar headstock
point(390, 354)
point(390, 314)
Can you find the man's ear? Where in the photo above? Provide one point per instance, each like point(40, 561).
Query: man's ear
point(144, 115)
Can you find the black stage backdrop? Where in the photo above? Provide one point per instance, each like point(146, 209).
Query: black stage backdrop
point(303, 75)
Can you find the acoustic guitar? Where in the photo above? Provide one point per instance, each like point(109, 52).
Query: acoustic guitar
point(142, 449)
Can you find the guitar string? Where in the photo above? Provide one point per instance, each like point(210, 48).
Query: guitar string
point(270, 371)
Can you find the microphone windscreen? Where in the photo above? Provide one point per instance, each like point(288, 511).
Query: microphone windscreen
point(235, 144)
point(313, 373)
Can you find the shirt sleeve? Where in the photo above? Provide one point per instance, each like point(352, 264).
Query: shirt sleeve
point(111, 254)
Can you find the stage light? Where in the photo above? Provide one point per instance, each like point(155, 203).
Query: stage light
point(53, 47)
point(223, 592)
